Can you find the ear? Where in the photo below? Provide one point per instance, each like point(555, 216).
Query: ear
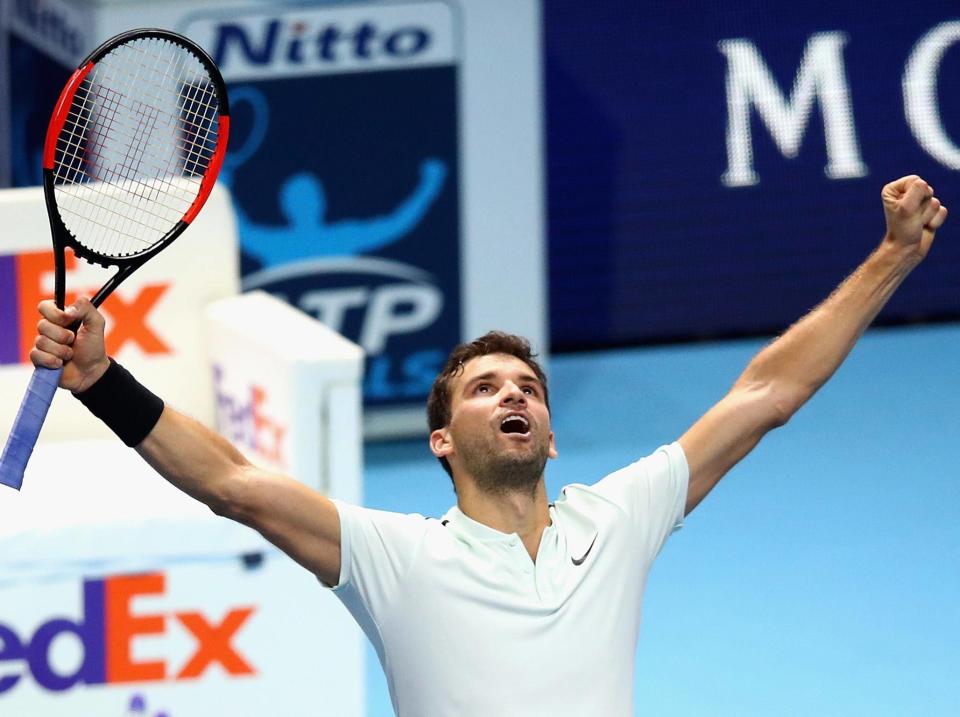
point(441, 444)
point(552, 451)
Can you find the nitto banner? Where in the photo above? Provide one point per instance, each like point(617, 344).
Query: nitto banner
point(344, 170)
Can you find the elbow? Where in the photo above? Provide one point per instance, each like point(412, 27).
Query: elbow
point(784, 402)
point(774, 401)
point(771, 405)
point(780, 416)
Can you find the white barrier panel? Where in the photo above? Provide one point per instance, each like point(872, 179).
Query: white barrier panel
point(288, 391)
point(154, 325)
point(117, 590)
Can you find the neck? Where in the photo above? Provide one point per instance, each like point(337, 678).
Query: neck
point(525, 512)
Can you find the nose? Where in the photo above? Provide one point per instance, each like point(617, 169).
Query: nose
point(512, 395)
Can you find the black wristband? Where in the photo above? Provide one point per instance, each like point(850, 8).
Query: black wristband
point(127, 407)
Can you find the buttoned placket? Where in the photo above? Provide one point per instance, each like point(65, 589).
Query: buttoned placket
point(536, 572)
point(517, 548)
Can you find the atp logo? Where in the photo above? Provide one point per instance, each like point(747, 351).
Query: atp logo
point(350, 272)
point(106, 630)
point(24, 283)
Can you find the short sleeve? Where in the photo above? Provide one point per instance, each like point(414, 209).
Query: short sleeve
point(376, 550)
point(652, 491)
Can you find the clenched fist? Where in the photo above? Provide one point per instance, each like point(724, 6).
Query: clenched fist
point(913, 214)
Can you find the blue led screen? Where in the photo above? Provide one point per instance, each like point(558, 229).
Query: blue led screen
point(714, 169)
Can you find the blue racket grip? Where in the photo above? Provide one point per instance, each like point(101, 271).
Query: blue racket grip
point(27, 425)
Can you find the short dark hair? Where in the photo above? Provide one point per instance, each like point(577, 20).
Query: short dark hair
point(492, 342)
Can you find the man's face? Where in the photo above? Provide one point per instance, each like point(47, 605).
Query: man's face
point(499, 431)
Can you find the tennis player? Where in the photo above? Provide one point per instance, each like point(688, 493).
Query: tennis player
point(509, 604)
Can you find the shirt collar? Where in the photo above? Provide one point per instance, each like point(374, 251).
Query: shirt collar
point(469, 527)
point(466, 525)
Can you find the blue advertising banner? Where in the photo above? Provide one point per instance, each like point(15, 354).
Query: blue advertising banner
point(715, 169)
point(344, 171)
point(35, 80)
point(40, 44)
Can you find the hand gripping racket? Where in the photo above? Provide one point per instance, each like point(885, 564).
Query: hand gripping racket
point(131, 154)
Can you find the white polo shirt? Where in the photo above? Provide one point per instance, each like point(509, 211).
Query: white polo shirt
point(465, 623)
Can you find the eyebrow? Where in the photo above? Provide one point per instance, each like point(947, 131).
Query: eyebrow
point(524, 378)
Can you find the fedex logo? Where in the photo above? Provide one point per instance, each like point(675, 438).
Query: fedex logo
point(106, 631)
point(243, 419)
point(25, 280)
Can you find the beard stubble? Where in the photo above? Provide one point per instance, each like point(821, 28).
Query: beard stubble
point(497, 471)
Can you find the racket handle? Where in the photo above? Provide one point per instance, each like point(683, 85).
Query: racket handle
point(27, 425)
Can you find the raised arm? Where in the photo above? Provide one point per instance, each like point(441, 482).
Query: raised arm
point(785, 374)
point(300, 521)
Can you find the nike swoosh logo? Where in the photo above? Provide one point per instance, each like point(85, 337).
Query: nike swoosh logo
point(584, 556)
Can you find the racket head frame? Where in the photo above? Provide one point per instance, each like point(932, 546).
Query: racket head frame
point(62, 237)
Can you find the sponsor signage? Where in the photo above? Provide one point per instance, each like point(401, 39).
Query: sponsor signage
point(106, 630)
point(153, 321)
point(244, 416)
point(58, 29)
point(26, 279)
point(40, 42)
point(345, 172)
point(208, 633)
point(735, 162)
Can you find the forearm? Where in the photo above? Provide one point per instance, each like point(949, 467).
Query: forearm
point(195, 459)
point(188, 454)
point(791, 369)
point(807, 355)
point(786, 373)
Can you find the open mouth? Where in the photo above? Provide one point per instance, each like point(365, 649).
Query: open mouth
point(515, 424)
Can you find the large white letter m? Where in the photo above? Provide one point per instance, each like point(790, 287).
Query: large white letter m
point(821, 77)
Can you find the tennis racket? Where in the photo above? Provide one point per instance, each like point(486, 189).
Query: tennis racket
point(131, 154)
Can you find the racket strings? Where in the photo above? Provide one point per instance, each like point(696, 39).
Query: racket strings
point(135, 146)
point(122, 170)
point(112, 104)
point(73, 146)
point(107, 101)
point(107, 97)
point(128, 174)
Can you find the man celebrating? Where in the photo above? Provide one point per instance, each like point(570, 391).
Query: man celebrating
point(509, 605)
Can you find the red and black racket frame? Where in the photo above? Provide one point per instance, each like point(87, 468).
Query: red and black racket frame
point(62, 237)
point(43, 384)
